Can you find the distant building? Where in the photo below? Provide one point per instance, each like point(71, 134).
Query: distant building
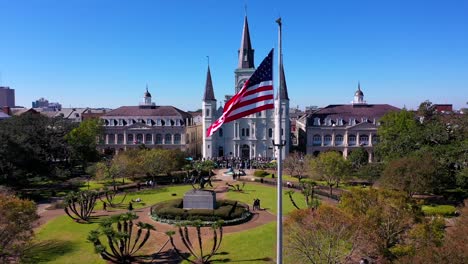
point(45, 105)
point(443, 108)
point(343, 127)
point(194, 135)
point(7, 96)
point(4, 113)
point(146, 124)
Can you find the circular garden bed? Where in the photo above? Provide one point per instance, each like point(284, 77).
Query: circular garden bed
point(172, 212)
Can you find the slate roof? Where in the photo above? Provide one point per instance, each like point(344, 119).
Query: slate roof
point(357, 111)
point(246, 50)
point(148, 111)
point(209, 93)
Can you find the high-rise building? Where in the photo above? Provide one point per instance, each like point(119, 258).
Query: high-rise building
point(7, 96)
point(251, 136)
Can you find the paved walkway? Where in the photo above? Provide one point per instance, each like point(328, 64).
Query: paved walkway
point(160, 241)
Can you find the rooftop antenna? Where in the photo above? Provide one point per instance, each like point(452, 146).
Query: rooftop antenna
point(208, 60)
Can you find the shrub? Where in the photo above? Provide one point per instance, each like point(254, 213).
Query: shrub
point(260, 173)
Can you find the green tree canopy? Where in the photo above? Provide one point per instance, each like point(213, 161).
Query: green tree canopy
point(331, 167)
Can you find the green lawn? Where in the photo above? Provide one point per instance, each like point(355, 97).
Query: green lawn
point(267, 196)
point(63, 241)
point(444, 210)
point(256, 245)
point(98, 184)
point(148, 196)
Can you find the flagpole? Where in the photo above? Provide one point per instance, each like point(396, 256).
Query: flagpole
point(279, 143)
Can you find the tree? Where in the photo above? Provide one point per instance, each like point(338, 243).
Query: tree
point(370, 172)
point(200, 257)
point(161, 161)
point(123, 237)
point(358, 158)
point(452, 248)
point(412, 175)
point(399, 134)
point(326, 235)
point(109, 169)
point(331, 167)
point(32, 145)
point(296, 164)
point(83, 140)
point(80, 206)
point(385, 217)
point(16, 226)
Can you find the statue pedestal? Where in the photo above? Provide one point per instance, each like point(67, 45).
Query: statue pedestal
point(200, 199)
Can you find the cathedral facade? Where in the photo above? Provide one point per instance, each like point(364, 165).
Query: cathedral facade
point(252, 136)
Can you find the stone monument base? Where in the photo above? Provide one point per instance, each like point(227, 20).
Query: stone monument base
point(200, 199)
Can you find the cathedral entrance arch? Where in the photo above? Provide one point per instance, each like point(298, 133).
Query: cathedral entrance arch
point(245, 151)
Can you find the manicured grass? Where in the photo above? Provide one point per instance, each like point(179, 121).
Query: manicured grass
point(150, 196)
point(444, 210)
point(256, 245)
point(97, 184)
point(267, 196)
point(61, 240)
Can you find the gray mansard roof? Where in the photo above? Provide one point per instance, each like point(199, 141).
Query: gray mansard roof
point(148, 111)
point(357, 112)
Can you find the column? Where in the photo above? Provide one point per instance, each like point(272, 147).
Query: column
point(371, 156)
point(370, 139)
point(125, 137)
point(345, 139)
point(323, 139)
point(251, 150)
point(333, 139)
point(107, 139)
point(144, 138)
point(357, 139)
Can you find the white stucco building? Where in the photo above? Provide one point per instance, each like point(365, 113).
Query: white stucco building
point(252, 136)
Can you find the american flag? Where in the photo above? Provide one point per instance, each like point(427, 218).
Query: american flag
point(255, 96)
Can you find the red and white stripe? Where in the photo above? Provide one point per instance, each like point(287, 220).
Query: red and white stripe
point(249, 100)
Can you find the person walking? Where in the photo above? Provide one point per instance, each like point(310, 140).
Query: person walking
point(130, 206)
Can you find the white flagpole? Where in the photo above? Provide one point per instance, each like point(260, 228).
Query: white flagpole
point(279, 143)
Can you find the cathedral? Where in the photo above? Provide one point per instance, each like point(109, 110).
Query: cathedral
point(252, 136)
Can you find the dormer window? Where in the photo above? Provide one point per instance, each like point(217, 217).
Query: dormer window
point(364, 120)
point(352, 121)
point(149, 122)
point(316, 121)
point(120, 122)
point(339, 121)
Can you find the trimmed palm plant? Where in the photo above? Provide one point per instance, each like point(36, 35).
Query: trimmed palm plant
point(124, 238)
point(308, 191)
point(79, 206)
point(199, 256)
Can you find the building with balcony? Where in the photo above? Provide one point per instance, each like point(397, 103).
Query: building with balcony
point(343, 127)
point(147, 124)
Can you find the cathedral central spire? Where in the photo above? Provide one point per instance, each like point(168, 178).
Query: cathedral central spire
point(246, 53)
point(209, 93)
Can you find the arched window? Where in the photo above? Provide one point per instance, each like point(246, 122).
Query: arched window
point(338, 140)
point(375, 139)
point(130, 139)
point(351, 140)
point(148, 139)
point(187, 138)
point(220, 132)
point(327, 140)
point(363, 140)
point(120, 139)
point(168, 139)
point(158, 139)
point(139, 138)
point(270, 132)
point(177, 139)
point(317, 140)
point(111, 138)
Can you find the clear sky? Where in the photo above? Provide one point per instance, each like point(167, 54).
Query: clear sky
point(102, 53)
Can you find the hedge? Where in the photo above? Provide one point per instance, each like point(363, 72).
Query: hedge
point(172, 210)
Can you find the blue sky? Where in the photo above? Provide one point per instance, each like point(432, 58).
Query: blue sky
point(102, 53)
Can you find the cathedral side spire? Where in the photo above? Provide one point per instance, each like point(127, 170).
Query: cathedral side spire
point(246, 53)
point(209, 92)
